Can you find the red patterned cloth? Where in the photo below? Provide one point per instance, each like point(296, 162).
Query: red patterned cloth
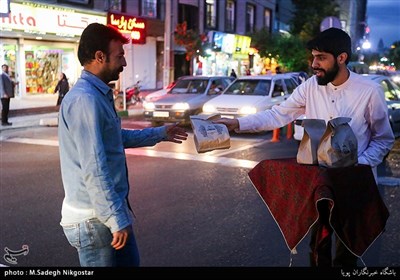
point(291, 192)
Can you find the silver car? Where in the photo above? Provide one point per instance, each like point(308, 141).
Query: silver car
point(184, 99)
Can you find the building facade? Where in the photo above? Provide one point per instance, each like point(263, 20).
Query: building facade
point(39, 39)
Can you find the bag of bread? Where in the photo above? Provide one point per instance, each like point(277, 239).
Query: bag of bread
point(338, 146)
point(209, 136)
point(313, 131)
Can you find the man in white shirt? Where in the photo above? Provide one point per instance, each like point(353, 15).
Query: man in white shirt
point(332, 92)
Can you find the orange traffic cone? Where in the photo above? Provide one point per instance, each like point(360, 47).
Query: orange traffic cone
point(275, 135)
point(289, 131)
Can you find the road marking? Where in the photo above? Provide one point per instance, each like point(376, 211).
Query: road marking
point(43, 142)
point(242, 148)
point(232, 162)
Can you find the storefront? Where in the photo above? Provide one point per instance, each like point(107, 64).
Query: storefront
point(228, 51)
point(40, 41)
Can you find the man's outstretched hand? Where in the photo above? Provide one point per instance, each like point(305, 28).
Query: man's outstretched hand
point(175, 133)
point(231, 124)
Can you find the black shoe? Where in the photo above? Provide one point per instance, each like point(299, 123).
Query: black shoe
point(6, 123)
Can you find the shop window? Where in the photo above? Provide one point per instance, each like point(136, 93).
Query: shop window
point(42, 68)
point(8, 54)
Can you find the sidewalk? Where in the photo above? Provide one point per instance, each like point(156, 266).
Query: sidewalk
point(40, 110)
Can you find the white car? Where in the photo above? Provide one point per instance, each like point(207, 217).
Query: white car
point(155, 95)
point(251, 94)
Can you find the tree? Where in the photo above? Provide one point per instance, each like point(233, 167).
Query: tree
point(289, 50)
point(394, 54)
point(308, 16)
point(293, 53)
point(191, 40)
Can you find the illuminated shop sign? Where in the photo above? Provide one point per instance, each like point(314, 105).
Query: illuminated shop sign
point(134, 27)
point(228, 43)
point(231, 43)
point(242, 44)
point(45, 19)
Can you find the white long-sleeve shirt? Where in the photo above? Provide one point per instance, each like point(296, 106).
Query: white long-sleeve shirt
point(358, 98)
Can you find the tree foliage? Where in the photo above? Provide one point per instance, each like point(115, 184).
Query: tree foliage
point(308, 16)
point(394, 54)
point(291, 49)
point(190, 39)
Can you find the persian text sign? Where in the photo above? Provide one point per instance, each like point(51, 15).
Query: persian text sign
point(45, 19)
point(135, 27)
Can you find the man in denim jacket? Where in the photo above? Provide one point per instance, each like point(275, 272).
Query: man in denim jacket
point(96, 216)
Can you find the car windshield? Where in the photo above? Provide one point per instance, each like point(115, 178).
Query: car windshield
point(249, 87)
point(392, 91)
point(190, 86)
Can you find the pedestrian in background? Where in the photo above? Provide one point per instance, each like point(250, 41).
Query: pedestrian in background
point(7, 91)
point(97, 218)
point(334, 91)
point(233, 73)
point(62, 88)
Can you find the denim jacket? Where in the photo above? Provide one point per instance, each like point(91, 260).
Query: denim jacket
point(92, 155)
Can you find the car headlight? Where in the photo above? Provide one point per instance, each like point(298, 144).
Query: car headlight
point(149, 106)
point(181, 106)
point(209, 109)
point(248, 110)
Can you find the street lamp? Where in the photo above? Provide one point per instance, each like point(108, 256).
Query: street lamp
point(366, 45)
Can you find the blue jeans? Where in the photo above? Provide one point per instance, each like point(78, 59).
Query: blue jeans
point(93, 240)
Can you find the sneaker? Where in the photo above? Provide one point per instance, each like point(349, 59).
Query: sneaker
point(6, 123)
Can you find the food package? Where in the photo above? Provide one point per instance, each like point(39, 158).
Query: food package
point(338, 146)
point(209, 136)
point(313, 131)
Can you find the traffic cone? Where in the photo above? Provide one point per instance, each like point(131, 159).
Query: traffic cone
point(289, 131)
point(275, 135)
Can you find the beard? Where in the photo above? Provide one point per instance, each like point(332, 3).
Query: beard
point(329, 75)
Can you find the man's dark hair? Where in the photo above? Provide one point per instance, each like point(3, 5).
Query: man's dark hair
point(332, 40)
point(97, 37)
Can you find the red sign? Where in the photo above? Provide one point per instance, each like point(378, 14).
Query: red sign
point(133, 26)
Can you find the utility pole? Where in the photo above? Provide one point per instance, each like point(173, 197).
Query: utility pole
point(167, 44)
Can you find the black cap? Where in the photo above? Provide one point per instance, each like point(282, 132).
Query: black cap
point(332, 40)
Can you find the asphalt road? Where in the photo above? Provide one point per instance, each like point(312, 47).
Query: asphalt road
point(192, 211)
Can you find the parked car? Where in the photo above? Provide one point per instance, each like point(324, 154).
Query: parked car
point(156, 94)
point(392, 96)
point(301, 76)
point(184, 99)
point(251, 94)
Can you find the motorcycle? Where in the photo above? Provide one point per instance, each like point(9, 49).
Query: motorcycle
point(132, 97)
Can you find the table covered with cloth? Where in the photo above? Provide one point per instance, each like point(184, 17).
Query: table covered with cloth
point(291, 192)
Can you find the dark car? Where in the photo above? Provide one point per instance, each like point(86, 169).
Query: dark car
point(185, 98)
